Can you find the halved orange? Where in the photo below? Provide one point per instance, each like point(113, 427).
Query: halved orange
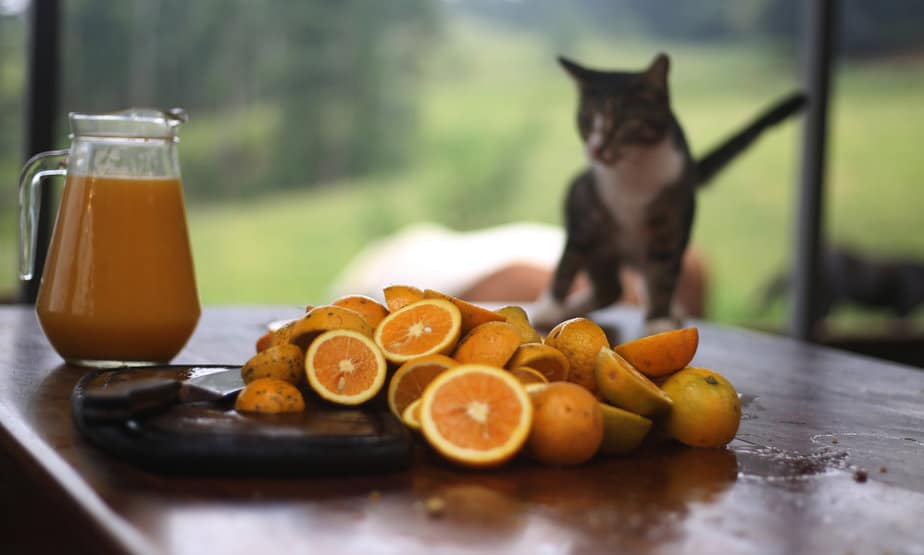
point(548, 360)
point(662, 353)
point(491, 343)
point(472, 314)
point(517, 316)
point(399, 296)
point(532, 388)
point(412, 378)
point(345, 367)
point(325, 318)
point(476, 415)
point(623, 431)
point(410, 416)
point(427, 327)
point(367, 307)
point(624, 386)
point(528, 375)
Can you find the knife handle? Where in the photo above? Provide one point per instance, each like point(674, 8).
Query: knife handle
point(125, 400)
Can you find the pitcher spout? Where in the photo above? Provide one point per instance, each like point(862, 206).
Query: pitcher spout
point(133, 123)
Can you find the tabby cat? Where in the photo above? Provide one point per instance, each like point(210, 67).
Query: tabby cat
point(634, 204)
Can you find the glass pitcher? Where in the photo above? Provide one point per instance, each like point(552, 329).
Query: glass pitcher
point(118, 286)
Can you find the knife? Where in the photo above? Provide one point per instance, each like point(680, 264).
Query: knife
point(125, 399)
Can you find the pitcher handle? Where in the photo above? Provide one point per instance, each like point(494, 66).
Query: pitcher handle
point(53, 162)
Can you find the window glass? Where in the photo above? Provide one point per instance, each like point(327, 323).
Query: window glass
point(12, 91)
point(318, 128)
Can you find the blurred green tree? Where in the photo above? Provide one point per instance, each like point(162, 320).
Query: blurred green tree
point(336, 78)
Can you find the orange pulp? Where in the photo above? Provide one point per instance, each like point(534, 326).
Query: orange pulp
point(118, 284)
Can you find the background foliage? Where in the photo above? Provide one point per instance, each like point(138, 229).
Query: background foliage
point(320, 126)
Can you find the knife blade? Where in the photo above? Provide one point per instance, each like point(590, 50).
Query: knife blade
point(125, 399)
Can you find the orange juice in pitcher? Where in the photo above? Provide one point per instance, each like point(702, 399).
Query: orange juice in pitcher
point(118, 285)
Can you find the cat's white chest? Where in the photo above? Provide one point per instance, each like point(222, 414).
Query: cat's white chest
point(627, 186)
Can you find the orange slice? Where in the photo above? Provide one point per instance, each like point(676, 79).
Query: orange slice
point(345, 367)
point(552, 363)
point(476, 415)
point(472, 314)
point(325, 318)
point(491, 343)
point(399, 296)
point(427, 327)
point(528, 375)
point(367, 307)
point(661, 354)
point(412, 378)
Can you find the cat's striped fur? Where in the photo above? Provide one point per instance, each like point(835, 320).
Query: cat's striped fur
point(634, 204)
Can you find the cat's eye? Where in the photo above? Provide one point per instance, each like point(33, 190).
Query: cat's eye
point(647, 97)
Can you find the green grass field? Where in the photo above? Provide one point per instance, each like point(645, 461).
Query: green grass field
point(498, 145)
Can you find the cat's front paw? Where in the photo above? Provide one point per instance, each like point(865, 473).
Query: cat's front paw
point(661, 325)
point(546, 312)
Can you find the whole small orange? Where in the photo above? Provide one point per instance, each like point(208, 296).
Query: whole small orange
point(567, 424)
point(580, 339)
point(706, 410)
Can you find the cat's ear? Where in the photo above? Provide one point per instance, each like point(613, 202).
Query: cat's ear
point(578, 73)
point(656, 74)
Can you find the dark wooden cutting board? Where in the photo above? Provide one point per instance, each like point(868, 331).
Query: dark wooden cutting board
point(212, 438)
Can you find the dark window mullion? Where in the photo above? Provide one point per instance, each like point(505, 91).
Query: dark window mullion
point(44, 30)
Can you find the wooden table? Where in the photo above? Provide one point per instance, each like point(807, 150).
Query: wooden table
point(829, 459)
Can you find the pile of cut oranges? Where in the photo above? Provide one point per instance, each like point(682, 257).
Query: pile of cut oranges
point(483, 385)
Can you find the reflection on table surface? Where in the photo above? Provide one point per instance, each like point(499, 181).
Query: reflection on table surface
point(828, 458)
